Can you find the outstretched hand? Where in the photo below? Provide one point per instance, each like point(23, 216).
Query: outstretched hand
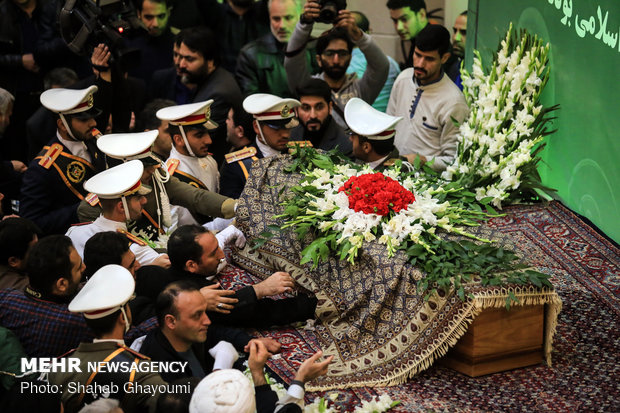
point(278, 283)
point(311, 368)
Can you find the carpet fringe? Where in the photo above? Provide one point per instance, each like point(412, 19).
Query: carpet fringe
point(527, 295)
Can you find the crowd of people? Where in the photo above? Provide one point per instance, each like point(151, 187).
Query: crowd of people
point(119, 182)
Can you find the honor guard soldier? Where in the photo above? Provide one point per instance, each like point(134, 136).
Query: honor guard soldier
point(190, 160)
point(104, 304)
point(53, 184)
point(157, 215)
point(122, 196)
point(274, 117)
point(372, 134)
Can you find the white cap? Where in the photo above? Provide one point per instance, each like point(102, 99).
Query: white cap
point(192, 114)
point(69, 101)
point(127, 146)
point(367, 121)
point(272, 110)
point(223, 391)
point(107, 291)
point(121, 180)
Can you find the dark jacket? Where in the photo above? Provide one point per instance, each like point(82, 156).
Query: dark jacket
point(158, 348)
point(260, 67)
point(233, 175)
point(329, 138)
point(224, 90)
point(233, 30)
point(155, 53)
point(50, 197)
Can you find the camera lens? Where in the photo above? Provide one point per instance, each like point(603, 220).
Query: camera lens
point(328, 13)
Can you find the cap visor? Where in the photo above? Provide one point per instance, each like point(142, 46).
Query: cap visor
point(87, 114)
point(144, 190)
point(281, 123)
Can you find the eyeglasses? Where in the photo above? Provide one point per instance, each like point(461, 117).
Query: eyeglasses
point(341, 53)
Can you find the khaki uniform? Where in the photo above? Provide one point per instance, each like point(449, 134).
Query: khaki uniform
point(197, 201)
point(72, 397)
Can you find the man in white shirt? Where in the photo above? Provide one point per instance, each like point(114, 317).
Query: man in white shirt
point(429, 102)
point(121, 195)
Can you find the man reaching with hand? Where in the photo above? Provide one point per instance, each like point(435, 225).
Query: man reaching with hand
point(195, 254)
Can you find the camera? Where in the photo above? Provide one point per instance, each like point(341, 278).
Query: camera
point(86, 23)
point(330, 9)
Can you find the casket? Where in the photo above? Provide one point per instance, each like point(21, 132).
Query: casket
point(371, 316)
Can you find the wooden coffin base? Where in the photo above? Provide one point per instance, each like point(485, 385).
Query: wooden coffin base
point(499, 340)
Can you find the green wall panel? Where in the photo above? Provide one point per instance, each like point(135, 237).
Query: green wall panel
point(581, 159)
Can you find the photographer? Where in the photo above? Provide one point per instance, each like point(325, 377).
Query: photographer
point(333, 54)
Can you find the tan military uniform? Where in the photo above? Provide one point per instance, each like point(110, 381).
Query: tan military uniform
point(74, 399)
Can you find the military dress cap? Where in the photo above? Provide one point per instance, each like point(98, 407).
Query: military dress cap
point(128, 146)
point(106, 292)
point(223, 391)
point(121, 180)
point(364, 120)
point(193, 114)
point(76, 102)
point(272, 110)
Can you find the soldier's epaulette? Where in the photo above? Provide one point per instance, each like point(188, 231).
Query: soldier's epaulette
point(240, 154)
point(53, 152)
point(92, 199)
point(132, 237)
point(172, 165)
point(67, 353)
point(134, 352)
point(79, 224)
point(302, 144)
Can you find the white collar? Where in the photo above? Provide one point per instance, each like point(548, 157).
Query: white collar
point(378, 162)
point(101, 340)
point(75, 147)
point(266, 149)
point(108, 223)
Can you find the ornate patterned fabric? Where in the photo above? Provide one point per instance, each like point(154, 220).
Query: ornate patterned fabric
point(370, 316)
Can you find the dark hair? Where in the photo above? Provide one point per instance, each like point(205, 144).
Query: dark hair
point(361, 21)
point(182, 245)
point(60, 76)
point(245, 120)
point(102, 249)
point(464, 13)
point(177, 402)
point(337, 33)
point(140, 3)
point(147, 119)
point(382, 148)
point(47, 261)
point(315, 87)
point(16, 234)
point(201, 40)
point(103, 325)
point(165, 302)
point(433, 37)
point(414, 5)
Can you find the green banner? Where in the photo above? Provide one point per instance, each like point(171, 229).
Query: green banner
point(581, 159)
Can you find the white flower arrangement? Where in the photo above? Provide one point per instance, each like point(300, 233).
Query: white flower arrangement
point(496, 154)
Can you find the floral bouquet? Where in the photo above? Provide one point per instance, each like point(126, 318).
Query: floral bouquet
point(498, 147)
point(345, 205)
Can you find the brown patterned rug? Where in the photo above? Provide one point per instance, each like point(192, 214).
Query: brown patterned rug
point(370, 316)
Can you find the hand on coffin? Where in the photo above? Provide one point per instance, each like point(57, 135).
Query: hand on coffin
point(278, 283)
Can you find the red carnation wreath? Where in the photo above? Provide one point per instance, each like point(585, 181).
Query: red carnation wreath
point(376, 194)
